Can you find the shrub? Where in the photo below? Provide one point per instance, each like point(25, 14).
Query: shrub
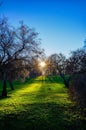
point(77, 89)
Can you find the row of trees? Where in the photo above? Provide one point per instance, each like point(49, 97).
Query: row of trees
point(19, 55)
point(59, 64)
point(73, 72)
point(19, 47)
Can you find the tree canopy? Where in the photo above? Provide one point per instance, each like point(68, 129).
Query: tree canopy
point(17, 47)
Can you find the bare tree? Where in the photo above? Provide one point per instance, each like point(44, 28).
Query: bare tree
point(57, 64)
point(17, 46)
point(76, 63)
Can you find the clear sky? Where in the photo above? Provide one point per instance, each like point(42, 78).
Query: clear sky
point(61, 23)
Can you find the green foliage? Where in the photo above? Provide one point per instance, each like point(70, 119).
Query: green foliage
point(40, 104)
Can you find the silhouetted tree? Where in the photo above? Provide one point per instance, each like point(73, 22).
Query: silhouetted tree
point(17, 46)
point(76, 63)
point(76, 68)
point(57, 64)
point(51, 66)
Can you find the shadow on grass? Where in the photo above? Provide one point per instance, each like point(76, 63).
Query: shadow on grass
point(49, 79)
point(42, 79)
point(1, 98)
point(17, 85)
point(55, 79)
point(41, 116)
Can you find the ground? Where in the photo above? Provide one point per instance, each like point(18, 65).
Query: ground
point(42, 103)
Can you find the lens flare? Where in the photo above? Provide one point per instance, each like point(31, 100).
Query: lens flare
point(42, 64)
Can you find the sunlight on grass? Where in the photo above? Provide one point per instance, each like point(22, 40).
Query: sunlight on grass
point(20, 97)
point(35, 92)
point(40, 103)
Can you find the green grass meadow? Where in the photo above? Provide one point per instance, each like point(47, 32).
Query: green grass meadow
point(42, 103)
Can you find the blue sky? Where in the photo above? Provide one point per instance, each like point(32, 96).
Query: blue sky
point(61, 23)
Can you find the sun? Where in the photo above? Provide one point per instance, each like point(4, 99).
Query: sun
point(42, 64)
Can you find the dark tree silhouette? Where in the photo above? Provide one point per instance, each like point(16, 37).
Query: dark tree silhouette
point(17, 46)
point(76, 68)
point(57, 64)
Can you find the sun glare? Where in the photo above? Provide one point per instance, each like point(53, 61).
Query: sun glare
point(42, 64)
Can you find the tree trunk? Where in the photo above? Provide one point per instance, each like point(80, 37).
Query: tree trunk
point(11, 85)
point(66, 81)
point(4, 91)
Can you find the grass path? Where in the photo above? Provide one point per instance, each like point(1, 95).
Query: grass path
point(42, 104)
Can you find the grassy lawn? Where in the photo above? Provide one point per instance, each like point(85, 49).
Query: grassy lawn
point(40, 104)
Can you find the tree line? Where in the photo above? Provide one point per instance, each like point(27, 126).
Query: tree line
point(72, 71)
point(20, 52)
